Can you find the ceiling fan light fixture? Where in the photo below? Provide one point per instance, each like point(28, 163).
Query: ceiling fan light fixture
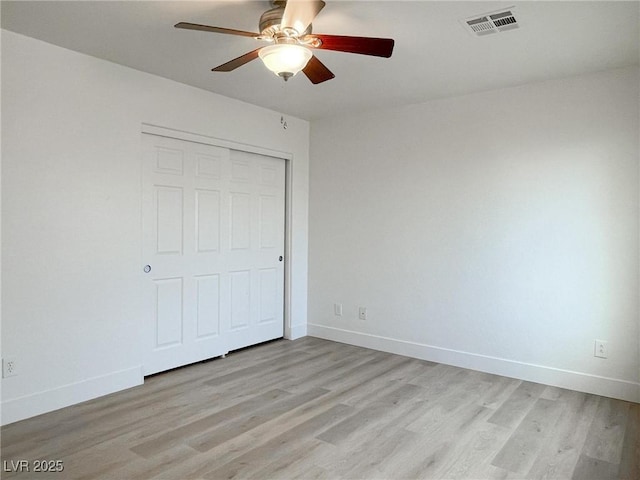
point(285, 59)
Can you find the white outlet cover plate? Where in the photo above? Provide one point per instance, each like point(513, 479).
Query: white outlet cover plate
point(600, 349)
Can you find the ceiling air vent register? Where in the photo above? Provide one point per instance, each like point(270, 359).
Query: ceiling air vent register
point(488, 23)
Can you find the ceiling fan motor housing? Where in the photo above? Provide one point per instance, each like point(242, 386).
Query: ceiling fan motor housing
point(271, 20)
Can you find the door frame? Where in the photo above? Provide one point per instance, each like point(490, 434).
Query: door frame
point(288, 184)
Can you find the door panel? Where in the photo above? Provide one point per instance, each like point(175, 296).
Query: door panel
point(240, 298)
point(169, 218)
point(168, 312)
point(208, 306)
point(257, 238)
point(240, 217)
point(213, 234)
point(240, 171)
point(268, 224)
point(268, 295)
point(207, 221)
point(208, 166)
point(169, 161)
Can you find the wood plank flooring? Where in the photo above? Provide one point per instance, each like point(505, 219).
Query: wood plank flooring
point(314, 409)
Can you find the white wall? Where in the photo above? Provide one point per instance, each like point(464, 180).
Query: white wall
point(71, 196)
point(496, 231)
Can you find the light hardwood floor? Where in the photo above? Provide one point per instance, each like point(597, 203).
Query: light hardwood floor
point(318, 409)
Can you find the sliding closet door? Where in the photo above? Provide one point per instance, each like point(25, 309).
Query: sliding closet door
point(213, 241)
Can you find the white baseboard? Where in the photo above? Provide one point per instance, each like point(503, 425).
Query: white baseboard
point(28, 406)
point(297, 331)
point(582, 382)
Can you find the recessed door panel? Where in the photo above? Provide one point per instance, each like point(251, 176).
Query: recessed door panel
point(268, 279)
point(169, 161)
point(240, 298)
point(240, 171)
point(268, 222)
point(169, 219)
point(240, 219)
point(208, 166)
point(207, 221)
point(268, 175)
point(168, 312)
point(208, 305)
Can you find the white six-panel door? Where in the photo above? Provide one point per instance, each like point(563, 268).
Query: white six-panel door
point(213, 240)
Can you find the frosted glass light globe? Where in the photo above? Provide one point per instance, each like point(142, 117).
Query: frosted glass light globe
point(285, 60)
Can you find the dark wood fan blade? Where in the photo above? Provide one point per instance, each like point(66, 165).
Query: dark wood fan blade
point(378, 47)
point(237, 62)
point(317, 72)
point(208, 28)
point(298, 14)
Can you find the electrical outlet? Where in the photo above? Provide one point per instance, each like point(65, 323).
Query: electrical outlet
point(9, 367)
point(362, 313)
point(600, 349)
point(337, 309)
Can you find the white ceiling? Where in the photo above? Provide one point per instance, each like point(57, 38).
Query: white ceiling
point(434, 55)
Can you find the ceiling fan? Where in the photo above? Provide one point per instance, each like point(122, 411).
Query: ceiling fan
point(287, 27)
